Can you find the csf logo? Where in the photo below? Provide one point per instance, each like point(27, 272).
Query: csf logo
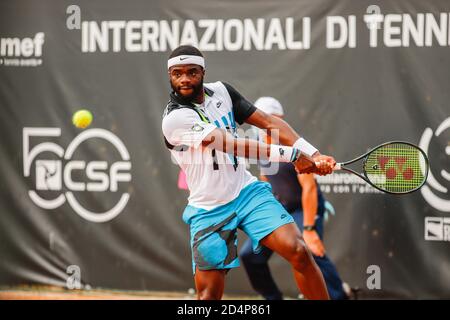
point(57, 175)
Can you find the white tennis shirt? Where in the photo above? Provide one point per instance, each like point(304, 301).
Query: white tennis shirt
point(213, 177)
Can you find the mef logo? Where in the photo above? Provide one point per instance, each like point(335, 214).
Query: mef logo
point(22, 52)
point(26, 47)
point(57, 175)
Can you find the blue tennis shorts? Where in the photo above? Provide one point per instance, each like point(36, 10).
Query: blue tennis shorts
point(214, 232)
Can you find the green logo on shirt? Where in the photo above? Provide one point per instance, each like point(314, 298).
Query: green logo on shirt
point(197, 128)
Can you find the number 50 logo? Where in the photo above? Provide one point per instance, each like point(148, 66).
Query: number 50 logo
point(51, 174)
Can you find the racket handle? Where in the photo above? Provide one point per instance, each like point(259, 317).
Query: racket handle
point(336, 167)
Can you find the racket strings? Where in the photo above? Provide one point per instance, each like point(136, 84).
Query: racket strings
point(396, 167)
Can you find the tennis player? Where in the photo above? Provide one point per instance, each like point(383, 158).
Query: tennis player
point(199, 127)
point(300, 195)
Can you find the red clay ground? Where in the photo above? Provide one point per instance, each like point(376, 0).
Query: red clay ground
point(56, 293)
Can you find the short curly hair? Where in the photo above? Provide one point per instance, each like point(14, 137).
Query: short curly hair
point(185, 50)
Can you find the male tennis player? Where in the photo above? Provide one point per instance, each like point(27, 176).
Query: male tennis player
point(199, 127)
point(301, 197)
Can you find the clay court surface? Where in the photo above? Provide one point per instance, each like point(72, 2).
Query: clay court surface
point(57, 293)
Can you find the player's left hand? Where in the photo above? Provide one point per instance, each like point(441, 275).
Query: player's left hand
point(314, 243)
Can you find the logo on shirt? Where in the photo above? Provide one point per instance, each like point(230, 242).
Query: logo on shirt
point(197, 128)
point(218, 104)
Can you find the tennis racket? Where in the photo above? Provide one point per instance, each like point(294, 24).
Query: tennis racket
point(394, 167)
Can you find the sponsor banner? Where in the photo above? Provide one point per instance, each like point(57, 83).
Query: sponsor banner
point(105, 203)
point(437, 229)
point(52, 176)
point(22, 52)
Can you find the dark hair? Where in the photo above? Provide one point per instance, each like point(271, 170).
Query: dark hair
point(185, 50)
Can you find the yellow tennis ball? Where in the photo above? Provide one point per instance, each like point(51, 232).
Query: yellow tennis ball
point(82, 118)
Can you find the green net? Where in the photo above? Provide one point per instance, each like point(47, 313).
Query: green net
point(396, 167)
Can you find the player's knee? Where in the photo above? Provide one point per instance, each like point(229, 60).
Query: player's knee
point(300, 258)
point(208, 294)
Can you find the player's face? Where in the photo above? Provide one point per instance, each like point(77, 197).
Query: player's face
point(187, 81)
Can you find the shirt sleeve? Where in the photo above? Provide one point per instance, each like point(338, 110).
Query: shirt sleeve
point(184, 127)
point(242, 108)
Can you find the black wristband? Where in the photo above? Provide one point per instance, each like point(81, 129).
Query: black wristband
point(309, 228)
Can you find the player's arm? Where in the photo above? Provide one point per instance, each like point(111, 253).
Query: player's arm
point(279, 130)
point(276, 128)
point(184, 128)
point(245, 111)
point(222, 140)
point(310, 205)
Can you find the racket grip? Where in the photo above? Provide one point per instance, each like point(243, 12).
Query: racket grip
point(336, 167)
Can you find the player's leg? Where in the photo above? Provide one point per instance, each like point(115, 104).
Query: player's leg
point(214, 248)
point(326, 266)
point(288, 242)
point(257, 268)
point(333, 281)
point(267, 223)
point(209, 284)
point(297, 215)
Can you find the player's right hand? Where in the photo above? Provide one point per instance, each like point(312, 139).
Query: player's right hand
point(319, 164)
point(324, 164)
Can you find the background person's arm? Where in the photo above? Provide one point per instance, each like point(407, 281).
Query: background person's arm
point(310, 205)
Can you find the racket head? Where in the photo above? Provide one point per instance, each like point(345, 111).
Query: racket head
point(396, 167)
